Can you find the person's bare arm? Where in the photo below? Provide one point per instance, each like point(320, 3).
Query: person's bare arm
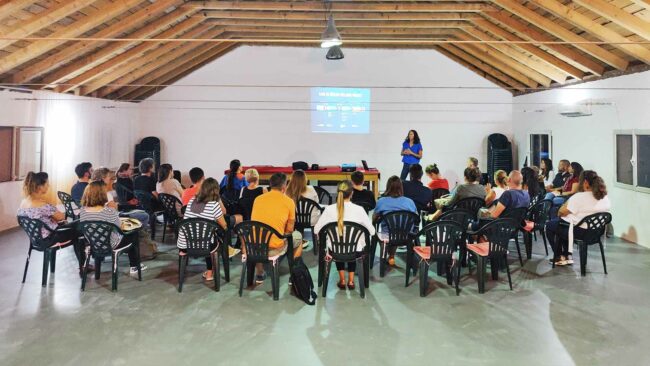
point(498, 210)
point(58, 216)
point(564, 210)
point(221, 221)
point(574, 189)
point(223, 208)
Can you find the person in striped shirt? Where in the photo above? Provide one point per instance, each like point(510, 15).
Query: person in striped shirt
point(206, 205)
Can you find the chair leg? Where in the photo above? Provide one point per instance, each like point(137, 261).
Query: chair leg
point(544, 239)
point(424, 277)
point(152, 225)
point(448, 263)
point(243, 277)
point(84, 273)
point(29, 255)
point(481, 273)
point(46, 264)
point(250, 274)
point(361, 268)
point(326, 278)
point(382, 260)
point(275, 278)
point(521, 261)
point(225, 259)
point(181, 272)
point(602, 255)
point(583, 259)
point(459, 265)
point(53, 260)
point(373, 250)
point(216, 273)
point(528, 244)
point(366, 270)
point(98, 267)
point(508, 271)
point(408, 267)
point(114, 270)
point(313, 241)
point(164, 229)
point(321, 269)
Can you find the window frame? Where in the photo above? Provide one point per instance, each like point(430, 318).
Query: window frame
point(529, 152)
point(634, 160)
point(17, 156)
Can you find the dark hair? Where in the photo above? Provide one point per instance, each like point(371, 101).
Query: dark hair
point(277, 180)
point(530, 181)
point(415, 171)
point(472, 174)
point(394, 187)
point(549, 167)
point(209, 191)
point(33, 181)
point(474, 161)
point(357, 178)
point(177, 175)
point(565, 161)
point(596, 183)
point(234, 167)
point(416, 137)
point(163, 172)
point(82, 168)
point(145, 165)
point(577, 169)
point(432, 169)
point(123, 167)
point(196, 174)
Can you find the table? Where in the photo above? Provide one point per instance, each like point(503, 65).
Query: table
point(325, 173)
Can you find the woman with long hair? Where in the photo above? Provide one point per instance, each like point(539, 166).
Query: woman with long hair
point(411, 152)
point(531, 182)
point(546, 171)
point(590, 199)
point(125, 180)
point(166, 182)
point(570, 187)
point(298, 188)
point(233, 182)
point(500, 186)
point(345, 210)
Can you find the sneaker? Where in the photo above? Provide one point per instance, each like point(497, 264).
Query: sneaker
point(259, 279)
point(561, 262)
point(569, 261)
point(232, 252)
point(134, 270)
point(305, 244)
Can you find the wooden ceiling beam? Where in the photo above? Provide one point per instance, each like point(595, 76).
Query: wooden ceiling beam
point(41, 20)
point(642, 3)
point(8, 7)
point(318, 6)
point(474, 68)
point(557, 30)
point(566, 53)
point(550, 59)
point(92, 19)
point(588, 25)
point(280, 38)
point(121, 58)
point(350, 31)
point(79, 48)
point(321, 24)
point(340, 16)
point(118, 69)
point(158, 63)
point(617, 15)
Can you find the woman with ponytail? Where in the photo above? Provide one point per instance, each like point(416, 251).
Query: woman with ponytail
point(345, 210)
point(590, 199)
point(37, 206)
point(233, 182)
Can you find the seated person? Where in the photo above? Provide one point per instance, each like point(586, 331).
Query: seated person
point(546, 173)
point(392, 200)
point(591, 198)
point(345, 210)
point(570, 187)
point(232, 183)
point(561, 177)
point(125, 179)
point(298, 188)
point(415, 190)
point(36, 205)
point(95, 208)
point(278, 211)
point(248, 194)
point(471, 188)
point(206, 204)
point(197, 177)
point(362, 196)
point(513, 198)
point(437, 181)
point(146, 181)
point(500, 186)
point(83, 171)
point(472, 162)
point(166, 182)
point(531, 183)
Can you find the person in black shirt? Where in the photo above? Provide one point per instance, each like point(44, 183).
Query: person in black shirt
point(561, 176)
point(415, 190)
point(146, 181)
point(248, 194)
point(360, 195)
point(125, 180)
point(84, 171)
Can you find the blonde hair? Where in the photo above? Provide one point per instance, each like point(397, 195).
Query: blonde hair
point(297, 185)
point(500, 177)
point(343, 192)
point(94, 194)
point(252, 175)
point(34, 181)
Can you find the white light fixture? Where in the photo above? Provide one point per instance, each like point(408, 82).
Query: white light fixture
point(330, 36)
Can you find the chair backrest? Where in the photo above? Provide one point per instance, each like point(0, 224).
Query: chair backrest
point(437, 193)
point(67, 201)
point(596, 226)
point(539, 213)
point(34, 229)
point(256, 236)
point(324, 196)
point(402, 226)
point(145, 200)
point(201, 235)
point(230, 200)
point(518, 214)
point(343, 245)
point(98, 235)
point(470, 204)
point(172, 205)
point(498, 233)
point(459, 216)
point(535, 199)
point(304, 209)
point(443, 237)
point(122, 192)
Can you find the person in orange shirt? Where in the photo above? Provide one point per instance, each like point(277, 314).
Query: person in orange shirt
point(197, 177)
point(277, 210)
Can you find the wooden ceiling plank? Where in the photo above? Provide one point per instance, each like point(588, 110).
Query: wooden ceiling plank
point(288, 15)
point(90, 21)
point(474, 69)
point(109, 62)
point(554, 28)
point(320, 23)
point(318, 6)
point(604, 33)
point(352, 31)
point(619, 16)
point(79, 48)
point(10, 7)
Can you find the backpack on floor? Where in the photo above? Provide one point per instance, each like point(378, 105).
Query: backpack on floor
point(303, 285)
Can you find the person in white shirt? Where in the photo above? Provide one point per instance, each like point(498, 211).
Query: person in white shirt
point(591, 198)
point(345, 210)
point(546, 173)
point(500, 186)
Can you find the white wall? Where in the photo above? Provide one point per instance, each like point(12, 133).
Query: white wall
point(75, 129)
point(197, 134)
point(589, 140)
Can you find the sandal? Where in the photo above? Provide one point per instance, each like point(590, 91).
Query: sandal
point(205, 276)
point(351, 285)
point(391, 261)
point(341, 285)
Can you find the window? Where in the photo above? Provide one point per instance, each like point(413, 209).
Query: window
point(632, 150)
point(539, 147)
point(29, 151)
point(6, 153)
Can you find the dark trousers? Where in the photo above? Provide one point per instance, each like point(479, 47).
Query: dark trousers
point(131, 252)
point(352, 266)
point(405, 171)
point(208, 260)
point(67, 232)
point(558, 236)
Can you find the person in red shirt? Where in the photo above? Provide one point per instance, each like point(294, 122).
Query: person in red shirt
point(197, 177)
point(437, 181)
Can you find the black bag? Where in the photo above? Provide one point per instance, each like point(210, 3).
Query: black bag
point(300, 165)
point(303, 285)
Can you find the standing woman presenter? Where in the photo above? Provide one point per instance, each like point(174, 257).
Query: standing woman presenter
point(411, 152)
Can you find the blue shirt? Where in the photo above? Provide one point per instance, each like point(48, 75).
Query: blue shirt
point(515, 198)
point(391, 204)
point(410, 159)
point(77, 192)
point(238, 183)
